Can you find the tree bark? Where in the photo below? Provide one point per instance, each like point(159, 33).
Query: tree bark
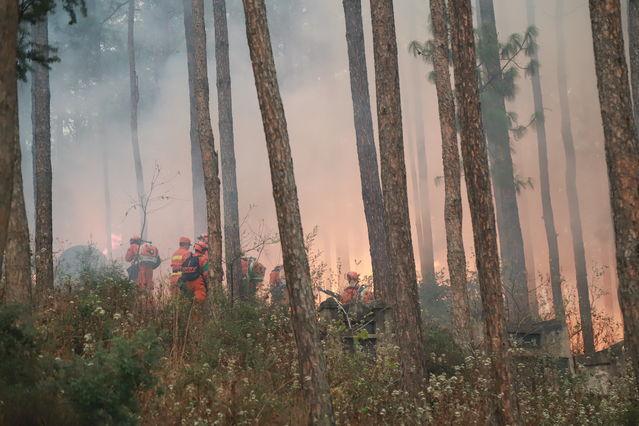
point(622, 157)
point(544, 185)
point(427, 256)
point(197, 173)
point(199, 90)
point(17, 272)
point(41, 124)
point(456, 255)
point(8, 108)
point(232, 245)
point(474, 152)
point(304, 321)
point(511, 243)
point(366, 152)
point(135, 99)
point(633, 45)
point(581, 271)
point(404, 295)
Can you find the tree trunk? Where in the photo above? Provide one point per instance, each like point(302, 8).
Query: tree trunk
point(135, 99)
point(232, 245)
point(511, 243)
point(622, 157)
point(199, 89)
point(456, 254)
point(366, 153)
point(404, 295)
point(413, 185)
point(581, 272)
point(17, 272)
point(41, 124)
point(544, 185)
point(633, 45)
point(304, 322)
point(8, 108)
point(427, 256)
point(477, 177)
point(107, 196)
point(197, 173)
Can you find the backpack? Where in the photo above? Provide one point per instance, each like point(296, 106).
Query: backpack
point(191, 269)
point(149, 256)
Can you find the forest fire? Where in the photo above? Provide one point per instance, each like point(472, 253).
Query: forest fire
point(303, 212)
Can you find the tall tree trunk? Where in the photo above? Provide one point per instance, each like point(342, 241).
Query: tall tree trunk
point(633, 45)
point(197, 173)
point(622, 157)
point(581, 272)
point(413, 192)
point(366, 153)
point(511, 243)
point(41, 124)
point(199, 89)
point(474, 152)
point(456, 254)
point(135, 99)
point(17, 272)
point(404, 299)
point(232, 245)
point(544, 185)
point(427, 256)
point(107, 195)
point(8, 108)
point(304, 321)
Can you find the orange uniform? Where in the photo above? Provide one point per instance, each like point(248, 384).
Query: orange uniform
point(145, 272)
point(198, 286)
point(177, 260)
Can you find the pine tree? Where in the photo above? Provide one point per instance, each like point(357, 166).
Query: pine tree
point(474, 153)
point(41, 125)
point(544, 184)
point(298, 279)
point(622, 158)
point(199, 91)
point(452, 174)
point(232, 245)
point(403, 293)
point(495, 117)
point(366, 153)
point(8, 110)
point(581, 272)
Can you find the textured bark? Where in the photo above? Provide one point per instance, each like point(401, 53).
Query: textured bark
point(633, 47)
point(544, 185)
point(135, 99)
point(199, 91)
point(8, 108)
point(427, 256)
point(622, 157)
point(197, 173)
point(456, 254)
point(298, 278)
point(41, 125)
point(403, 292)
point(17, 272)
point(474, 152)
point(366, 152)
point(511, 243)
point(232, 245)
point(581, 272)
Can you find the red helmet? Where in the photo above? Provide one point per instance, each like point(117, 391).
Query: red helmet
point(135, 239)
point(352, 276)
point(185, 241)
point(201, 247)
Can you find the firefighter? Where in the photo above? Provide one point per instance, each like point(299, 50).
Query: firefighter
point(277, 286)
point(195, 271)
point(252, 275)
point(177, 259)
point(144, 258)
point(354, 292)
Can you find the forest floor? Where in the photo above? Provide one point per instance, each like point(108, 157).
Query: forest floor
point(99, 352)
